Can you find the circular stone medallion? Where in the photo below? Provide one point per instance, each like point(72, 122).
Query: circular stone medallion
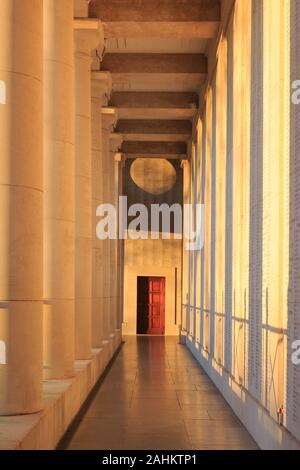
point(153, 175)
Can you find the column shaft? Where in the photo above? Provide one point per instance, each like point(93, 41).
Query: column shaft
point(109, 119)
point(120, 243)
point(115, 144)
point(113, 250)
point(21, 207)
point(105, 243)
point(101, 88)
point(59, 184)
point(85, 41)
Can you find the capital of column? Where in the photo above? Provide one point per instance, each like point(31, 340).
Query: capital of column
point(119, 157)
point(115, 142)
point(109, 118)
point(89, 35)
point(184, 164)
point(101, 86)
point(81, 8)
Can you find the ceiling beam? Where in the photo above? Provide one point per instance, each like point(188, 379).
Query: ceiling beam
point(156, 72)
point(156, 18)
point(161, 100)
point(157, 113)
point(140, 63)
point(192, 30)
point(154, 149)
point(167, 156)
point(155, 130)
point(156, 105)
point(154, 126)
point(157, 137)
point(156, 10)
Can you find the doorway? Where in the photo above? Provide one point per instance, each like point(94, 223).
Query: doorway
point(151, 305)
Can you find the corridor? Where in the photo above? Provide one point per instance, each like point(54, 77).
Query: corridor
point(155, 396)
point(149, 184)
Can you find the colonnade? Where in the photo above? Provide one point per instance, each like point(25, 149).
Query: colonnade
point(58, 282)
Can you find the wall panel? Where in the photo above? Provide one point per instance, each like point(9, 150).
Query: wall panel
point(293, 371)
point(247, 275)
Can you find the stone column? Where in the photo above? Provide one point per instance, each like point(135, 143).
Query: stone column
point(21, 206)
point(101, 89)
point(109, 119)
point(119, 165)
point(88, 35)
point(115, 145)
point(59, 185)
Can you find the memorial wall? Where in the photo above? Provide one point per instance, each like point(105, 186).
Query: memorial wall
point(240, 309)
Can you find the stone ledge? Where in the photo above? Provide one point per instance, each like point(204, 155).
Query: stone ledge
point(63, 399)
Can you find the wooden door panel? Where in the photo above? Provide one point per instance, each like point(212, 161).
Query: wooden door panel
point(156, 299)
point(157, 310)
point(151, 305)
point(155, 286)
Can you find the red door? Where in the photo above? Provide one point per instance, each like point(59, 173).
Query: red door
point(151, 305)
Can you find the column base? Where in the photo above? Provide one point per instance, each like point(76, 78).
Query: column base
point(63, 399)
point(182, 336)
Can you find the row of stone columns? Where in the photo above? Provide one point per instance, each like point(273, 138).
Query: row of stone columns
point(58, 282)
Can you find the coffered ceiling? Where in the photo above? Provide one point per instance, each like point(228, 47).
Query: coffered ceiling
point(156, 51)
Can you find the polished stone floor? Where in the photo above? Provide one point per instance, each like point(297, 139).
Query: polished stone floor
point(155, 396)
